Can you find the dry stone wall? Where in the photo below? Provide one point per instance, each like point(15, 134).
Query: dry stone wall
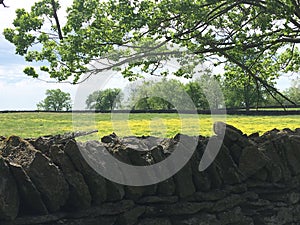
point(253, 180)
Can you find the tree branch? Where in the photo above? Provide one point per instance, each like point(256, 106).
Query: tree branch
point(56, 20)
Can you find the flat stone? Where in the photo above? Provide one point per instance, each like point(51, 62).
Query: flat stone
point(158, 200)
point(177, 209)
point(228, 202)
point(213, 195)
point(131, 216)
point(155, 221)
point(251, 161)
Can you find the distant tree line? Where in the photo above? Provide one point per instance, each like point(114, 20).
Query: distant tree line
point(167, 94)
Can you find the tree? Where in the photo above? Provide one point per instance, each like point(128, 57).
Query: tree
point(294, 91)
point(56, 100)
point(143, 34)
point(194, 90)
point(2, 2)
point(164, 94)
point(106, 99)
point(242, 90)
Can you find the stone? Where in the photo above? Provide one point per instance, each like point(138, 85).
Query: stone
point(228, 170)
point(274, 149)
point(270, 134)
point(228, 203)
point(50, 219)
point(213, 195)
point(166, 187)
point(220, 128)
point(140, 158)
point(80, 197)
point(9, 196)
point(31, 199)
point(214, 176)
point(135, 143)
point(158, 200)
point(251, 161)
point(200, 179)
point(49, 180)
point(229, 133)
point(18, 151)
point(155, 221)
point(235, 152)
point(178, 209)
point(184, 177)
point(199, 219)
point(234, 216)
point(254, 135)
point(87, 221)
point(112, 138)
point(106, 209)
point(95, 182)
point(184, 182)
point(261, 174)
point(44, 174)
point(236, 189)
point(111, 208)
point(134, 192)
point(42, 144)
point(131, 216)
point(291, 145)
point(115, 191)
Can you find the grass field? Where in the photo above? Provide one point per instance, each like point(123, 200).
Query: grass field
point(163, 125)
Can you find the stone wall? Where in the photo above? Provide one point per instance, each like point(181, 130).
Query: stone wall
point(253, 180)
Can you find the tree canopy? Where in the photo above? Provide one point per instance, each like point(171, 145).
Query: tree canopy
point(293, 92)
point(106, 99)
point(56, 100)
point(144, 34)
point(163, 94)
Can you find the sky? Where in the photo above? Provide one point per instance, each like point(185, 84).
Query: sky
point(20, 92)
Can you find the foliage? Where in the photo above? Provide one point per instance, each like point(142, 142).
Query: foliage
point(241, 89)
point(194, 90)
point(293, 92)
point(144, 34)
point(56, 100)
point(106, 99)
point(164, 94)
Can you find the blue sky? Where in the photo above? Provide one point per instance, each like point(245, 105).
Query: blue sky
point(19, 92)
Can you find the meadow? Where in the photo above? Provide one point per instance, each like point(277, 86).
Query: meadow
point(163, 125)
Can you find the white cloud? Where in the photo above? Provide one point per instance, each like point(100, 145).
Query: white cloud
point(17, 91)
point(25, 94)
